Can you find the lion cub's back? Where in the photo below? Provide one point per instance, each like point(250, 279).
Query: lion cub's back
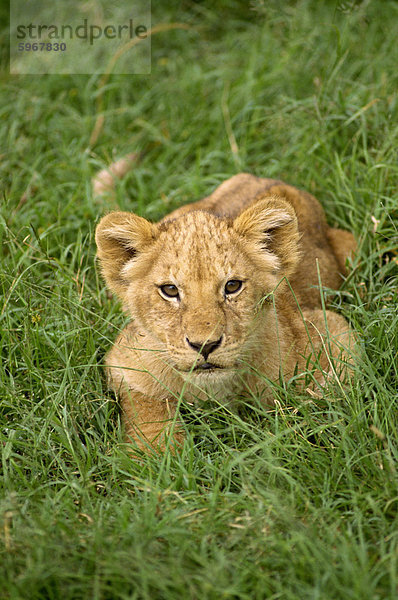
point(237, 193)
point(231, 197)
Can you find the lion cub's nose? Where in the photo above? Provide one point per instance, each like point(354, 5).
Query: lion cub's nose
point(205, 348)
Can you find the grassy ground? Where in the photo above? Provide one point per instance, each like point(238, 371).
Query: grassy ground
point(299, 502)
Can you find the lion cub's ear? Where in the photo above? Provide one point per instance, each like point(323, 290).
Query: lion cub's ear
point(121, 236)
point(271, 224)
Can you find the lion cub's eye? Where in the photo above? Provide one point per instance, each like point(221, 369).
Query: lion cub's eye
point(169, 291)
point(233, 286)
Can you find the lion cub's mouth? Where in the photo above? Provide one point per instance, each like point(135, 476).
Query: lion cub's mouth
point(206, 366)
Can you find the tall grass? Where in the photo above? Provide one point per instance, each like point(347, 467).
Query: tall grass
point(295, 502)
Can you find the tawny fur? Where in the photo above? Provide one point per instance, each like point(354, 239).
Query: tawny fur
point(269, 235)
point(104, 181)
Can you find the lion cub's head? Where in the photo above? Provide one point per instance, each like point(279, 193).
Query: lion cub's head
point(194, 284)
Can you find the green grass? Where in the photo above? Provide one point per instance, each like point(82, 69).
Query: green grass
point(299, 502)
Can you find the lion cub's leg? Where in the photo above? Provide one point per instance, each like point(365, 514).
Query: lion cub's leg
point(150, 423)
point(333, 342)
point(343, 245)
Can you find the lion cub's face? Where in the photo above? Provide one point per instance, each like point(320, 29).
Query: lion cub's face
point(195, 284)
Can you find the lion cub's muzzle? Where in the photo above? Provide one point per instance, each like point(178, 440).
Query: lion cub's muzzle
point(205, 349)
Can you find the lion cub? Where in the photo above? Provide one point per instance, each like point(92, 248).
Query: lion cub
point(224, 297)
